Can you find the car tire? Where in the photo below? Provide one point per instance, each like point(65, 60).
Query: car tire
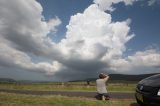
point(140, 103)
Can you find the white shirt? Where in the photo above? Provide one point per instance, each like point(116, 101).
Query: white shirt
point(101, 85)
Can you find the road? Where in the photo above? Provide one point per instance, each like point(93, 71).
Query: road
point(113, 95)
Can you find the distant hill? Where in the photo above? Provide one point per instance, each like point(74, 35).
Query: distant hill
point(129, 77)
point(7, 80)
point(123, 77)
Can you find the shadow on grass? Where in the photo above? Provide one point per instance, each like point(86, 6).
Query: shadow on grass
point(134, 104)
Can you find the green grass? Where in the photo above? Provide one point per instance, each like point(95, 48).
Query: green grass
point(121, 87)
point(8, 99)
point(112, 87)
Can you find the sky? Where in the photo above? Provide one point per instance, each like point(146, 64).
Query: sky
point(62, 40)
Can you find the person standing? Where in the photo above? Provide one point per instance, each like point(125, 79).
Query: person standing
point(101, 86)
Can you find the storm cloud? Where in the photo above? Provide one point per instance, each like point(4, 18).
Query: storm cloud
point(93, 42)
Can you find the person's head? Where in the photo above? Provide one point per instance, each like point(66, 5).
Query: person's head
point(101, 76)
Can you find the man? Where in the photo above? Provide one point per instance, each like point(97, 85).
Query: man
point(101, 86)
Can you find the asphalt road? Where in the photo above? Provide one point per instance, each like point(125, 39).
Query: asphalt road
point(113, 95)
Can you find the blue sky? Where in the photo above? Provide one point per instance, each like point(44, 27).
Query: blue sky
point(64, 40)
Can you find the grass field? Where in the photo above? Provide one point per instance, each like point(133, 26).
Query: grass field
point(7, 99)
point(71, 86)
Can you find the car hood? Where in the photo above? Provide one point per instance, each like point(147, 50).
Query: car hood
point(153, 81)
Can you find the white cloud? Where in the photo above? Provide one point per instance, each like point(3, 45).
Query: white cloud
point(52, 23)
point(144, 61)
point(151, 2)
point(107, 4)
point(148, 58)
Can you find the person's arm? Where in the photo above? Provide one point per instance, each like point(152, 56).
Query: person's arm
point(106, 77)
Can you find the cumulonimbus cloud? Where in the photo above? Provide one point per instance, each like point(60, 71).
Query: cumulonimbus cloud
point(93, 42)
